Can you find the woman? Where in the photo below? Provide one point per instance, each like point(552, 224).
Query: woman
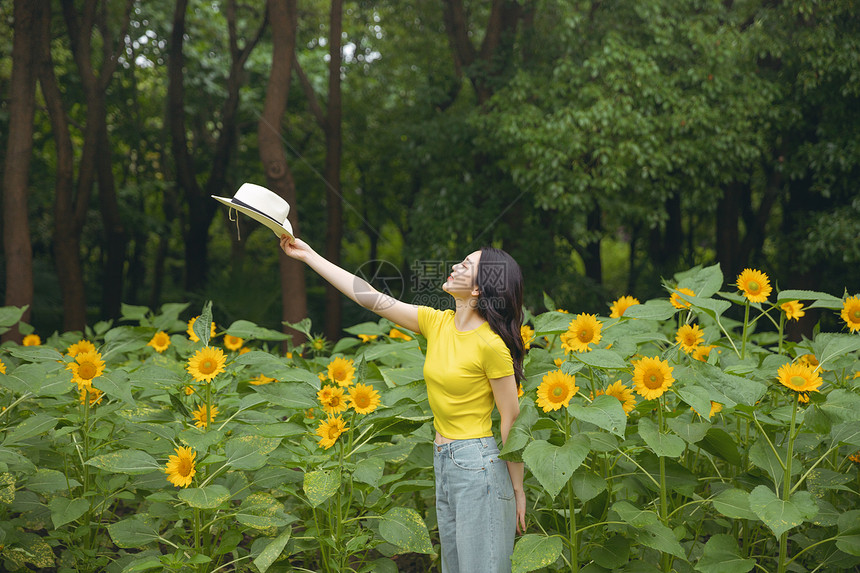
point(474, 361)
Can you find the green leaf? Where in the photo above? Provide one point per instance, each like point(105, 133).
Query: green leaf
point(664, 445)
point(847, 433)
point(208, 497)
point(704, 282)
point(125, 462)
point(203, 325)
point(39, 381)
point(519, 434)
point(780, 515)
point(658, 536)
point(631, 514)
point(132, 532)
point(65, 510)
point(727, 389)
point(697, 398)
point(605, 412)
point(600, 358)
point(32, 426)
point(820, 299)
point(366, 328)
point(763, 456)
point(50, 481)
point(35, 353)
point(534, 551)
point(403, 527)
point(116, 385)
point(612, 553)
point(651, 310)
point(152, 375)
point(849, 532)
point(842, 405)
point(829, 347)
point(369, 471)
point(712, 307)
point(262, 510)
point(320, 485)
point(587, 484)
point(250, 331)
point(734, 503)
point(272, 551)
point(551, 323)
point(249, 452)
point(289, 395)
point(720, 443)
point(690, 432)
point(132, 312)
point(554, 465)
point(722, 555)
point(11, 315)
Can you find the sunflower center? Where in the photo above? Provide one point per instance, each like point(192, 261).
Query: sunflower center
point(207, 366)
point(798, 380)
point(653, 381)
point(87, 371)
point(558, 392)
point(856, 314)
point(335, 400)
point(333, 432)
point(184, 467)
point(362, 400)
point(584, 335)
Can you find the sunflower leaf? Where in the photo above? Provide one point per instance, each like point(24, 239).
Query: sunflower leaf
point(534, 551)
point(605, 412)
point(320, 485)
point(202, 326)
point(722, 555)
point(664, 445)
point(554, 465)
point(781, 515)
point(403, 527)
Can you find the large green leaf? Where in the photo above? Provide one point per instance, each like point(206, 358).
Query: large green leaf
point(734, 503)
point(722, 555)
point(290, 395)
point(519, 434)
point(125, 462)
point(132, 532)
point(249, 452)
point(587, 484)
point(820, 299)
point(849, 532)
point(554, 465)
point(651, 310)
point(208, 497)
point(690, 432)
point(404, 528)
point(534, 551)
point(203, 325)
point(842, 405)
point(64, 510)
point(658, 536)
point(551, 322)
point(664, 445)
point(50, 481)
point(39, 380)
point(250, 331)
point(696, 397)
point(720, 443)
point(599, 358)
point(829, 347)
point(32, 426)
point(272, 551)
point(605, 412)
point(116, 385)
point(612, 553)
point(319, 485)
point(702, 281)
point(764, 457)
point(781, 515)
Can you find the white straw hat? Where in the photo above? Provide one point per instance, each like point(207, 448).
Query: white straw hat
point(263, 206)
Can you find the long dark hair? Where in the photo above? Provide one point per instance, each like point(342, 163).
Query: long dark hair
point(500, 301)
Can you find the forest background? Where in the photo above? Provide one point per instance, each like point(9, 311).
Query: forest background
point(604, 144)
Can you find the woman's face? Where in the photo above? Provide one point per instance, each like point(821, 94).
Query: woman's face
point(464, 276)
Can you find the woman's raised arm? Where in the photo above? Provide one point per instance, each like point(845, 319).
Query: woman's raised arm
point(356, 288)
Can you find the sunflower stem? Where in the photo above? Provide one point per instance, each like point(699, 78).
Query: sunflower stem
point(786, 486)
point(781, 325)
point(664, 510)
point(574, 549)
point(744, 335)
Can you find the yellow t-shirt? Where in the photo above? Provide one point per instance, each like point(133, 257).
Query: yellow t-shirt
point(458, 368)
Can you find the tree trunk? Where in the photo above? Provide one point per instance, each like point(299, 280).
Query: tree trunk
point(593, 264)
point(17, 247)
point(279, 177)
point(334, 144)
point(728, 242)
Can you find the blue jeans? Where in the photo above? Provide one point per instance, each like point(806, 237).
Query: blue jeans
point(475, 507)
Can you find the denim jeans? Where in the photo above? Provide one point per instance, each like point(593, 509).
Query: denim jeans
point(475, 507)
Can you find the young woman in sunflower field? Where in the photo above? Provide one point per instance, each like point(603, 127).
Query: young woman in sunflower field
point(473, 363)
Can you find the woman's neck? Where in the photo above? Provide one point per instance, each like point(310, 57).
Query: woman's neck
point(466, 316)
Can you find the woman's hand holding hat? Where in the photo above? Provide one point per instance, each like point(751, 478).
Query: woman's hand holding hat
point(295, 248)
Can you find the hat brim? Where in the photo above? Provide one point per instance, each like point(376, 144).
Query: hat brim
point(277, 228)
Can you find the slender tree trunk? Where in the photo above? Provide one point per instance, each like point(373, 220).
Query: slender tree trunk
point(334, 144)
point(728, 242)
point(279, 177)
point(593, 264)
point(116, 236)
point(17, 249)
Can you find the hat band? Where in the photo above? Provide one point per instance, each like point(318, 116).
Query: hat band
point(254, 209)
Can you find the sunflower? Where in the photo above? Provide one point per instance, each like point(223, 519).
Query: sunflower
point(528, 334)
point(793, 309)
point(520, 391)
point(159, 341)
point(561, 310)
point(233, 343)
point(856, 375)
point(397, 334)
point(623, 393)
point(855, 458)
point(850, 313)
point(342, 371)
point(689, 337)
point(309, 414)
point(799, 377)
point(245, 350)
point(582, 332)
point(261, 380)
point(191, 333)
point(716, 408)
point(332, 399)
point(330, 430)
point(367, 337)
point(206, 363)
point(180, 468)
point(556, 390)
point(652, 377)
point(189, 390)
point(2, 367)
point(87, 365)
point(200, 417)
point(558, 362)
point(318, 343)
point(803, 397)
point(32, 340)
point(95, 395)
point(702, 352)
point(754, 284)
point(80, 346)
point(619, 306)
point(363, 398)
point(679, 302)
point(809, 360)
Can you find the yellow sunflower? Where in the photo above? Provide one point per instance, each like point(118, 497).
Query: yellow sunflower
point(793, 309)
point(32, 340)
point(716, 408)
point(809, 360)
point(623, 393)
point(679, 302)
point(561, 310)
point(245, 350)
point(582, 332)
point(94, 394)
point(261, 380)
point(851, 313)
point(754, 284)
point(652, 377)
point(689, 337)
point(181, 468)
point(520, 391)
point(342, 371)
point(206, 364)
point(363, 398)
point(309, 414)
point(189, 390)
point(799, 377)
point(555, 390)
point(201, 420)
point(397, 334)
point(619, 306)
point(2, 367)
point(803, 397)
point(856, 375)
point(528, 334)
point(80, 346)
point(855, 458)
point(332, 399)
point(87, 365)
point(367, 337)
point(159, 341)
point(558, 362)
point(329, 431)
point(233, 343)
point(192, 335)
point(702, 352)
